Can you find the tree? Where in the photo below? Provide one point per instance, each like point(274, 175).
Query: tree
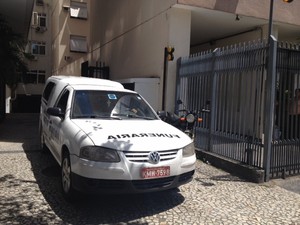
point(12, 58)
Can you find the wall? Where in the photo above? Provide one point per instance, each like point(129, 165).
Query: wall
point(130, 37)
point(42, 62)
point(256, 34)
point(62, 27)
point(285, 12)
point(21, 100)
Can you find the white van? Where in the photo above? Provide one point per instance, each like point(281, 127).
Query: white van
point(109, 140)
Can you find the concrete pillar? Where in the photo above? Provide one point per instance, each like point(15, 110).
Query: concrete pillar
point(179, 37)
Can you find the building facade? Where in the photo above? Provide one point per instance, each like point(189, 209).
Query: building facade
point(129, 37)
point(18, 18)
point(39, 47)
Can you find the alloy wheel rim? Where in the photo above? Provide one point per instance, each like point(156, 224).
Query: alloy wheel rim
point(66, 180)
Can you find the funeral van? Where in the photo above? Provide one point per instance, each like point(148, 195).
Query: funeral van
point(108, 139)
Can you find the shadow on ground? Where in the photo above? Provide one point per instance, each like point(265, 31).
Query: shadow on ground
point(28, 206)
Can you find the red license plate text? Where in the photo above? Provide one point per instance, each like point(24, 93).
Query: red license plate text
point(155, 172)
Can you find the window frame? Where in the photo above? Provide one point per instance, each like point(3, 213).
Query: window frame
point(40, 46)
point(78, 10)
point(49, 89)
point(42, 16)
point(37, 76)
point(78, 44)
point(37, 18)
point(63, 98)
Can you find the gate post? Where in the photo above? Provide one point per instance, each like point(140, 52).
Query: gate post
point(269, 104)
point(212, 99)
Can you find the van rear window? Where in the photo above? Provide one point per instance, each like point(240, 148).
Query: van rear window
point(48, 89)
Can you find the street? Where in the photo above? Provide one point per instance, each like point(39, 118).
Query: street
point(30, 192)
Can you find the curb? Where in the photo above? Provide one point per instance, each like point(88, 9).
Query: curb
point(234, 167)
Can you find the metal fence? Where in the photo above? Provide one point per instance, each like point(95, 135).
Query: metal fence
point(228, 88)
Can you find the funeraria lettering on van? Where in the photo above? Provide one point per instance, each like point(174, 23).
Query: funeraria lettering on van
point(119, 136)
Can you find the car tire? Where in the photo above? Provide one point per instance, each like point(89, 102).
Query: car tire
point(66, 180)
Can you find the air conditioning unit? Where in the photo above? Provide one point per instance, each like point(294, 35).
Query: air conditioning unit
point(40, 29)
point(68, 58)
point(66, 7)
point(35, 19)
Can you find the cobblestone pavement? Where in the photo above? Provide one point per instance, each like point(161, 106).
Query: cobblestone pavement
point(30, 193)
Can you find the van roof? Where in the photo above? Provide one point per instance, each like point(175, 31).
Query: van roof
point(76, 80)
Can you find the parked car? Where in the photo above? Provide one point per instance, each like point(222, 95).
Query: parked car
point(109, 140)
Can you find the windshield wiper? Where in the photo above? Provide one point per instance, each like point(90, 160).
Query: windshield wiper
point(97, 116)
point(113, 118)
point(133, 116)
point(140, 117)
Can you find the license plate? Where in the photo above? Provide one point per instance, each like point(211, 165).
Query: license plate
point(155, 172)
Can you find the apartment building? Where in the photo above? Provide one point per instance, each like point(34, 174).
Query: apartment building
point(125, 40)
point(17, 15)
point(27, 96)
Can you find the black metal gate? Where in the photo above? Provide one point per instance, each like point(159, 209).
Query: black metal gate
point(98, 71)
point(285, 155)
point(229, 86)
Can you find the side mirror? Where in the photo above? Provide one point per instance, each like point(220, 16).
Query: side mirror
point(55, 111)
point(162, 115)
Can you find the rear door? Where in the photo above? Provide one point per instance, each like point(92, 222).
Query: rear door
point(56, 131)
point(44, 117)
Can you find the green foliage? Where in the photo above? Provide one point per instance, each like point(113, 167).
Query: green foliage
point(12, 56)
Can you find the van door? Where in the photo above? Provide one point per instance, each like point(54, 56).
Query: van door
point(44, 117)
point(56, 133)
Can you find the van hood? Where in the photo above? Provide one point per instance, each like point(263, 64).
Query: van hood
point(135, 135)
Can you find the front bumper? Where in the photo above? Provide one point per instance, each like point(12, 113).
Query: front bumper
point(105, 186)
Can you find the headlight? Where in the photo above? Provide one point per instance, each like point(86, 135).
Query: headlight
point(190, 118)
point(188, 150)
point(99, 154)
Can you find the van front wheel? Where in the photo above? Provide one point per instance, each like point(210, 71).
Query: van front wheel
point(66, 180)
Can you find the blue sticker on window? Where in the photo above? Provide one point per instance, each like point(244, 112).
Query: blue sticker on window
point(112, 96)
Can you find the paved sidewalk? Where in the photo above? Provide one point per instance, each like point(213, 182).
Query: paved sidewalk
point(30, 192)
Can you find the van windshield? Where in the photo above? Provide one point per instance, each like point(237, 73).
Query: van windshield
point(110, 105)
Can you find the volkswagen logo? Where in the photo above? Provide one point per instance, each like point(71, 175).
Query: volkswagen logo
point(154, 157)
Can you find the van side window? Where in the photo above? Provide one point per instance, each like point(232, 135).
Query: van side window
point(62, 102)
point(48, 90)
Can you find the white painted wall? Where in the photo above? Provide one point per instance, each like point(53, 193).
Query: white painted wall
point(132, 45)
